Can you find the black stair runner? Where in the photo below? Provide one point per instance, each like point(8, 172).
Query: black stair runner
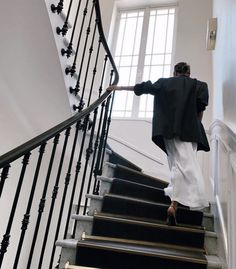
point(131, 231)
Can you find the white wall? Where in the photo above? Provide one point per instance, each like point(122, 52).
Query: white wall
point(33, 96)
point(224, 62)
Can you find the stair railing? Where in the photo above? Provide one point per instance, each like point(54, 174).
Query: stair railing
point(49, 158)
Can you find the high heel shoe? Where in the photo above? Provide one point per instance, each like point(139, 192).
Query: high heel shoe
point(171, 216)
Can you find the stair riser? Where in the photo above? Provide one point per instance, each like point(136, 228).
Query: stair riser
point(144, 233)
point(148, 210)
point(137, 191)
point(117, 260)
point(139, 178)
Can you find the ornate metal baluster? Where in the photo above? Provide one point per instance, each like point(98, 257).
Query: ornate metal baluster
point(80, 107)
point(58, 8)
point(69, 49)
point(6, 237)
point(107, 130)
point(67, 181)
point(77, 170)
point(43, 200)
point(26, 218)
point(89, 151)
point(54, 196)
point(4, 176)
point(71, 70)
point(64, 28)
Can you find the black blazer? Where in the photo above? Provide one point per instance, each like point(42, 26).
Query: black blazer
point(177, 102)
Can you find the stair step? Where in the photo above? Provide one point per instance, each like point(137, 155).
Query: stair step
point(107, 226)
point(123, 172)
point(118, 159)
point(122, 205)
point(137, 190)
point(115, 255)
point(138, 243)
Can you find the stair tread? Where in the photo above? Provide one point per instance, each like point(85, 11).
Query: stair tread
point(149, 223)
point(140, 243)
point(124, 205)
point(121, 172)
point(149, 220)
point(162, 252)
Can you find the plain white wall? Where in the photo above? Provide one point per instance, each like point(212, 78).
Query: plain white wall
point(224, 62)
point(33, 96)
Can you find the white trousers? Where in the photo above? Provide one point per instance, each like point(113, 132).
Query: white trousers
point(187, 184)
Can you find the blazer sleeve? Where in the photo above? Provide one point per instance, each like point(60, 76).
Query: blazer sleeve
point(147, 87)
point(202, 97)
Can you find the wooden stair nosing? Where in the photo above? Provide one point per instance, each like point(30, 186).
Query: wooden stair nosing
point(140, 243)
point(153, 252)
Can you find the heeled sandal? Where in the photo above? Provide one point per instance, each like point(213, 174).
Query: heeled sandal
point(171, 216)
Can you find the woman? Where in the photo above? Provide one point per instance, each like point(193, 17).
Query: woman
point(179, 102)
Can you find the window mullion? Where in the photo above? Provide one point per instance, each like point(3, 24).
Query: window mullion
point(140, 69)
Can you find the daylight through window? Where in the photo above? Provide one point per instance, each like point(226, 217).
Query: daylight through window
point(143, 52)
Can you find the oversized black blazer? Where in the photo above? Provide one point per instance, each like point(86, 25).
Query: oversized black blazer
point(177, 102)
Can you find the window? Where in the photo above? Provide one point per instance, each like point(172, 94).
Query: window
point(143, 52)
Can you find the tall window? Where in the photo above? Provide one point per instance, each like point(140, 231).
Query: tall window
point(143, 52)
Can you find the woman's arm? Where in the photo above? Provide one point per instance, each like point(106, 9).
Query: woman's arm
point(120, 88)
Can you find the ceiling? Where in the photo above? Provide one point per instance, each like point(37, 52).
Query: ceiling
point(136, 3)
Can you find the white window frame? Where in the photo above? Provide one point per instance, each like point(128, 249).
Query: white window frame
point(140, 69)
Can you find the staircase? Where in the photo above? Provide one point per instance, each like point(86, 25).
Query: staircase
point(125, 227)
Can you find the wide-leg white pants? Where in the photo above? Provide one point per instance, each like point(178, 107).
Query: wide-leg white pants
point(187, 184)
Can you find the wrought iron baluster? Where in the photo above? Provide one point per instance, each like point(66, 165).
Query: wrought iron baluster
point(86, 73)
point(67, 181)
point(107, 130)
point(103, 137)
point(97, 147)
point(69, 49)
point(4, 176)
point(6, 237)
point(43, 200)
point(54, 196)
point(64, 28)
point(26, 218)
point(71, 70)
point(77, 171)
point(89, 151)
point(58, 8)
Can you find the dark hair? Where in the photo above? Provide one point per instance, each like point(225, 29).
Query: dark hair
point(182, 68)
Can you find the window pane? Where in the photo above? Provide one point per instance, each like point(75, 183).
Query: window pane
point(125, 61)
point(160, 34)
point(126, 57)
point(158, 59)
point(156, 73)
point(120, 37)
point(150, 35)
point(170, 32)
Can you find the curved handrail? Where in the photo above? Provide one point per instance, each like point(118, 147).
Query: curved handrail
point(38, 140)
point(104, 42)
